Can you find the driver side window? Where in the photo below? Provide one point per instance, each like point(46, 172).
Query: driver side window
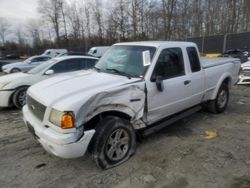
point(67, 66)
point(170, 64)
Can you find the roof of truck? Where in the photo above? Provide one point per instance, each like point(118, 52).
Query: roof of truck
point(159, 43)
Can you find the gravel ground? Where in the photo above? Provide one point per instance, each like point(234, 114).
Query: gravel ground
point(179, 156)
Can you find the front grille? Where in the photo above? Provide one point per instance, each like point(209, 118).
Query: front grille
point(246, 72)
point(36, 108)
point(247, 80)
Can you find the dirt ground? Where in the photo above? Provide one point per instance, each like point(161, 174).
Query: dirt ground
point(177, 157)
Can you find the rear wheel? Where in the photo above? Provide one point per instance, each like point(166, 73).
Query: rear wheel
point(113, 143)
point(19, 97)
point(219, 105)
point(15, 70)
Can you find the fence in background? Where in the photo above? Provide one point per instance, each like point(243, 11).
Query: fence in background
point(221, 43)
point(206, 44)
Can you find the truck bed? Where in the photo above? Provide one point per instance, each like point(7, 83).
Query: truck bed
point(208, 62)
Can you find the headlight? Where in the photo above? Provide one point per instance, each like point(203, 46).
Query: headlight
point(3, 84)
point(65, 120)
point(5, 67)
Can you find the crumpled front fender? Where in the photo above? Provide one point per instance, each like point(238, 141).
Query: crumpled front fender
point(128, 99)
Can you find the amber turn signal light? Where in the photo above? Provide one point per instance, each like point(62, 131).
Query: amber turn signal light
point(67, 121)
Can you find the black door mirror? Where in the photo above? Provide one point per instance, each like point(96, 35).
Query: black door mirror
point(159, 83)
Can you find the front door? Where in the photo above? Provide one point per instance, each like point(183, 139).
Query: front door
point(175, 95)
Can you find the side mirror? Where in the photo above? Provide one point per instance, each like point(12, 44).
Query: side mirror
point(159, 83)
point(146, 58)
point(49, 72)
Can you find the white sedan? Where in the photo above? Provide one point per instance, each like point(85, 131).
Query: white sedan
point(244, 77)
point(13, 87)
point(26, 65)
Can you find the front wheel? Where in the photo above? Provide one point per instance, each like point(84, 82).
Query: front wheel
point(219, 105)
point(113, 143)
point(15, 70)
point(19, 97)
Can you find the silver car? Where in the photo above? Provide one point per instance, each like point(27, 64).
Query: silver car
point(25, 65)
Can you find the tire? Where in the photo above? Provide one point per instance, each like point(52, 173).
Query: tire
point(219, 105)
point(106, 146)
point(19, 97)
point(14, 70)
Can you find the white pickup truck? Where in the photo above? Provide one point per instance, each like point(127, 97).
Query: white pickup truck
point(135, 89)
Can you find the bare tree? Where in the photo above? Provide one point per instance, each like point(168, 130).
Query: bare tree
point(34, 29)
point(97, 15)
point(51, 10)
point(4, 29)
point(88, 22)
point(119, 19)
point(168, 7)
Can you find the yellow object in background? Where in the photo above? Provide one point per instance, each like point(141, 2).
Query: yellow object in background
point(211, 134)
point(213, 55)
point(24, 57)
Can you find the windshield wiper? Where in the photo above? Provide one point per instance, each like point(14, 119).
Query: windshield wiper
point(97, 69)
point(120, 73)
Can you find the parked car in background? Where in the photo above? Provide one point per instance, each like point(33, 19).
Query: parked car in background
point(54, 52)
point(12, 56)
point(244, 77)
point(72, 53)
point(13, 86)
point(98, 51)
point(135, 88)
point(25, 65)
point(2, 64)
point(242, 54)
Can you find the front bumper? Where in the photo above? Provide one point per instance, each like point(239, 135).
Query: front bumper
point(57, 143)
point(243, 80)
point(5, 97)
point(6, 71)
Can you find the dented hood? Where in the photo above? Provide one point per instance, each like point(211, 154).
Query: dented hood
point(78, 86)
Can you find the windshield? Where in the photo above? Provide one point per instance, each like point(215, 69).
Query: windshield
point(41, 67)
point(91, 51)
point(126, 60)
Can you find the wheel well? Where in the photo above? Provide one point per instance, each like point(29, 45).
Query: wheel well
point(91, 124)
point(11, 97)
point(14, 69)
point(227, 81)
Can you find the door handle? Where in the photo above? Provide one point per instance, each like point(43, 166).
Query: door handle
point(187, 82)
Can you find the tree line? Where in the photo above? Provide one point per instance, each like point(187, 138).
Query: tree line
point(81, 24)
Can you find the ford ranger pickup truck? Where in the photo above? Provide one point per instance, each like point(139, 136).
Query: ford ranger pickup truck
point(136, 88)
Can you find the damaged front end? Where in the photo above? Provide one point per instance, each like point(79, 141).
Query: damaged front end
point(128, 99)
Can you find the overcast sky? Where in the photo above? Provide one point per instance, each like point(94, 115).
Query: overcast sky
point(19, 10)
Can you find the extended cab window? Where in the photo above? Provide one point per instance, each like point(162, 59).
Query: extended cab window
point(193, 59)
point(170, 64)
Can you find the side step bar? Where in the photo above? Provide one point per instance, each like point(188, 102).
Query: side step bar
point(158, 127)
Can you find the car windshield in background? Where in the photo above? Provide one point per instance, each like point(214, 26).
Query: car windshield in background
point(125, 60)
point(41, 67)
